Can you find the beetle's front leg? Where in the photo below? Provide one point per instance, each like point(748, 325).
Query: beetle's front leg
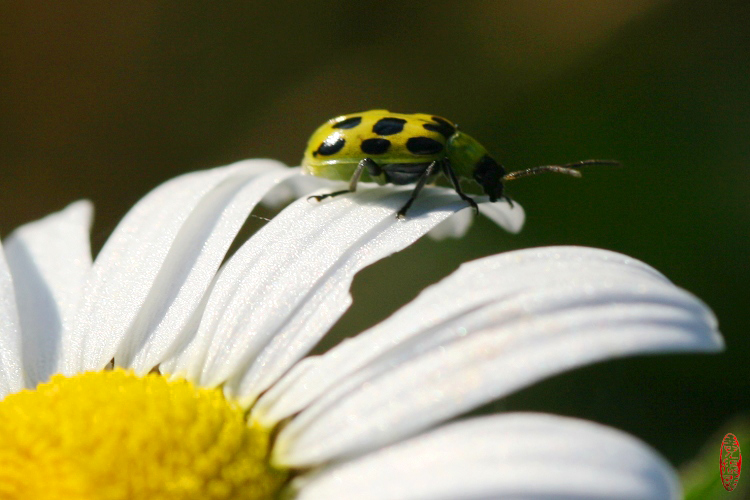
point(448, 170)
point(366, 163)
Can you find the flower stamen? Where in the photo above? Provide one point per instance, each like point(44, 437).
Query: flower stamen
point(114, 435)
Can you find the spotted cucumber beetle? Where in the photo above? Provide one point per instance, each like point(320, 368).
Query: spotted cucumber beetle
point(396, 148)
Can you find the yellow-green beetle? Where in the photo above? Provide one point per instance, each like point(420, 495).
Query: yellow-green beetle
point(403, 149)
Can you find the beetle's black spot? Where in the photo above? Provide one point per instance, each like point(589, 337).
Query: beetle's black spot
point(349, 122)
point(443, 127)
point(423, 146)
point(389, 126)
point(489, 174)
point(375, 146)
point(331, 145)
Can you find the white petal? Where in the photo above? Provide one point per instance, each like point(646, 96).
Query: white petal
point(289, 283)
point(297, 187)
point(485, 281)
point(12, 376)
point(455, 226)
point(291, 377)
point(154, 269)
point(510, 218)
point(494, 326)
point(501, 213)
point(180, 320)
point(521, 455)
point(49, 260)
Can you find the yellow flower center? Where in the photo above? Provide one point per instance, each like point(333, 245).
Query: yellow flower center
point(112, 435)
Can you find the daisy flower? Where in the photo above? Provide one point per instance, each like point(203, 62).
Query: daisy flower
point(164, 370)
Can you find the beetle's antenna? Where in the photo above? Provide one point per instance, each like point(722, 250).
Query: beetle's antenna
point(568, 169)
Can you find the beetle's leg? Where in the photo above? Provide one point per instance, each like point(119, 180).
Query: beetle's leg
point(506, 198)
point(431, 168)
point(457, 186)
point(368, 163)
point(372, 168)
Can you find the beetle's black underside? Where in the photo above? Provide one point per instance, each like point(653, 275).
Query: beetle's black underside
point(405, 173)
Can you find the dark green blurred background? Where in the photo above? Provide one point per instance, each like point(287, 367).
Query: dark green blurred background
point(103, 101)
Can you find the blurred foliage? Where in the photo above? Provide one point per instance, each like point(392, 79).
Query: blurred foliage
point(700, 477)
point(104, 100)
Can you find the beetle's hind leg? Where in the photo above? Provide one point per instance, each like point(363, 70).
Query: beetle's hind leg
point(428, 172)
point(366, 163)
point(448, 170)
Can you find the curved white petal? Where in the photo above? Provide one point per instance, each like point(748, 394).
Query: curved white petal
point(153, 271)
point(501, 213)
point(475, 284)
point(280, 293)
point(12, 376)
point(454, 226)
point(49, 260)
point(494, 326)
point(510, 218)
point(519, 455)
point(295, 372)
point(180, 321)
point(297, 187)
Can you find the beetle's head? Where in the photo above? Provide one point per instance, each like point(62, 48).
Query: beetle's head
point(489, 174)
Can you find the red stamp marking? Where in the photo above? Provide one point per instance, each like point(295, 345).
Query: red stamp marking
point(730, 461)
